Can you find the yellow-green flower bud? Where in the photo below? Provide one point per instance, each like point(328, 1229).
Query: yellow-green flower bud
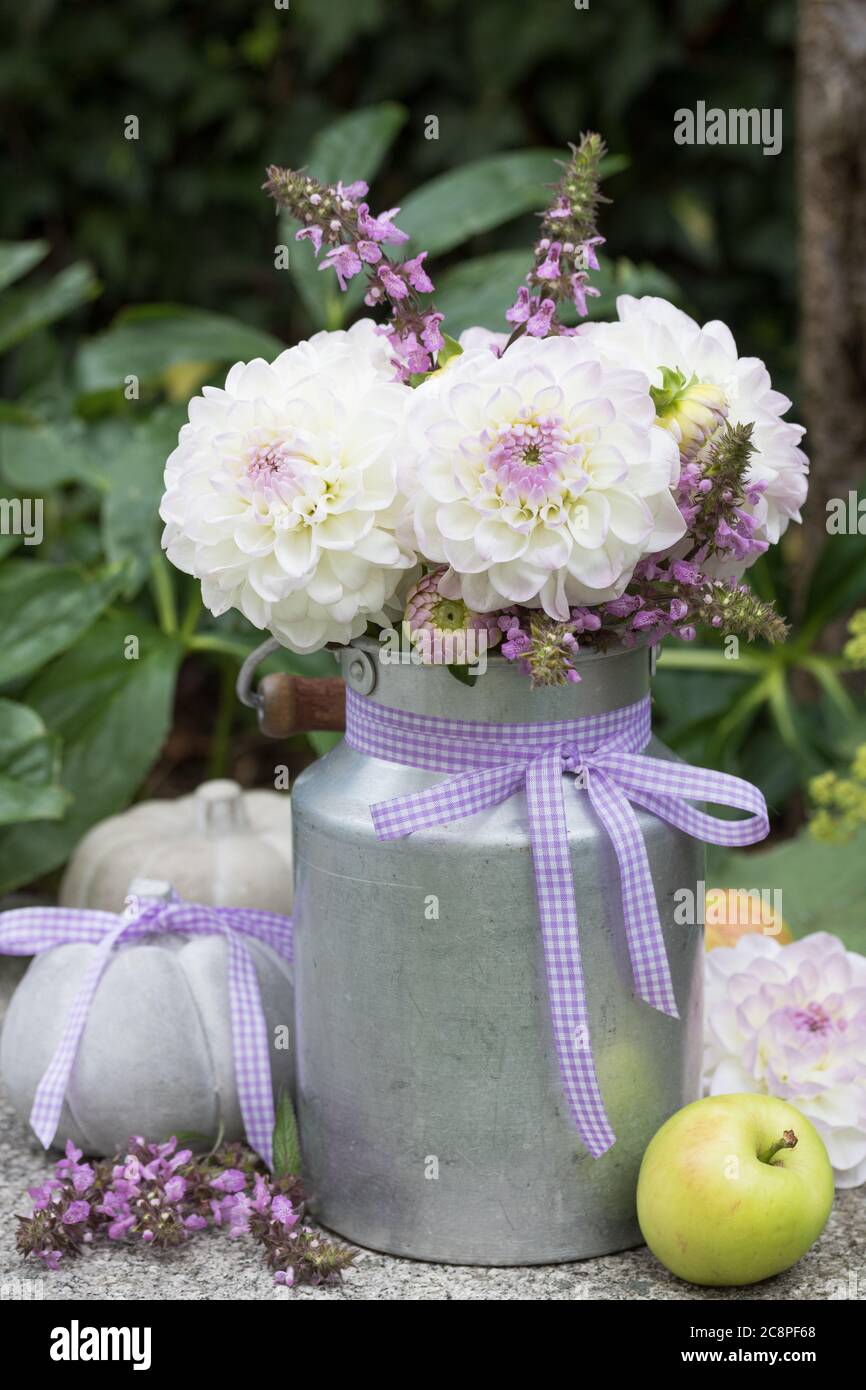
point(691, 410)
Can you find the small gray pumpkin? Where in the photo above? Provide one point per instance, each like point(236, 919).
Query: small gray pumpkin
point(155, 1057)
point(219, 845)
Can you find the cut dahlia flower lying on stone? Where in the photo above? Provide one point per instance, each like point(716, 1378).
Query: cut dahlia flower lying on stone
point(547, 488)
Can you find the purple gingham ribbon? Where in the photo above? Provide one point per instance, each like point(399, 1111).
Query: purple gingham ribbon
point(26, 931)
point(488, 763)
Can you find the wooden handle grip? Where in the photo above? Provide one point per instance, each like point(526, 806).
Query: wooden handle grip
point(301, 705)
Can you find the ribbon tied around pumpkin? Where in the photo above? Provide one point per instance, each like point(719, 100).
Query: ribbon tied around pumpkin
point(27, 931)
point(488, 763)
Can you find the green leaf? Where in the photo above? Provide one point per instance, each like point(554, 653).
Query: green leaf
point(36, 458)
point(823, 886)
point(351, 148)
point(286, 1146)
point(131, 524)
point(29, 764)
point(18, 257)
point(478, 292)
point(477, 197)
point(354, 146)
point(23, 311)
point(839, 578)
point(622, 276)
point(145, 341)
point(451, 349)
point(113, 714)
point(319, 290)
point(45, 608)
point(466, 675)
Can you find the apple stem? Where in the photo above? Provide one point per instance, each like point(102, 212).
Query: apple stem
point(787, 1141)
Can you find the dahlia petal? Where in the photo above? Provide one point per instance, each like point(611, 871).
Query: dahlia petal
point(629, 517)
point(294, 552)
point(589, 520)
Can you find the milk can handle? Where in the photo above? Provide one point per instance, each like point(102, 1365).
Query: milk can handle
point(287, 704)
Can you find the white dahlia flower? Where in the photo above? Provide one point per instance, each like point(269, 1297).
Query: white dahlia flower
point(473, 338)
point(790, 1021)
point(326, 347)
point(281, 496)
point(540, 476)
point(698, 381)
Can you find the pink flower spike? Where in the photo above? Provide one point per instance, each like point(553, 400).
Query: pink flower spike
point(313, 234)
point(579, 292)
point(231, 1180)
point(395, 286)
point(521, 308)
point(345, 261)
point(353, 191)
point(431, 335)
point(380, 228)
point(539, 325)
point(417, 275)
point(370, 252)
point(549, 268)
point(589, 256)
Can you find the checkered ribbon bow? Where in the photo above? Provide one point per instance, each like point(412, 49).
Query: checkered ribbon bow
point(26, 931)
point(488, 763)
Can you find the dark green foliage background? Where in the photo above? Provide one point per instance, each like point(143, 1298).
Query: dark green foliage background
point(222, 87)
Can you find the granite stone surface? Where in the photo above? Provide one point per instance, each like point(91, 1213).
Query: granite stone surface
point(214, 1267)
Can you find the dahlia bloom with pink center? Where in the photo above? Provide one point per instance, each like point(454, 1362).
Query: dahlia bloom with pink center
point(790, 1021)
point(281, 496)
point(540, 477)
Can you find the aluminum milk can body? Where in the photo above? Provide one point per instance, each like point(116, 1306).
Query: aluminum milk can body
point(432, 1117)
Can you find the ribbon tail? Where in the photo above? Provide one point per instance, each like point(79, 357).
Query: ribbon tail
point(559, 929)
point(646, 945)
point(48, 1100)
point(252, 1061)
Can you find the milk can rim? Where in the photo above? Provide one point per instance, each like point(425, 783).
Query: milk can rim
point(373, 647)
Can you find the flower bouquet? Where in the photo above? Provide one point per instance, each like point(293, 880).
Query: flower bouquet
point(495, 1009)
point(552, 487)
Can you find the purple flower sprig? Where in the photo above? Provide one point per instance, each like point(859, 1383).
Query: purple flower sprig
point(675, 597)
point(713, 491)
point(334, 216)
point(565, 252)
point(543, 648)
point(161, 1196)
point(665, 597)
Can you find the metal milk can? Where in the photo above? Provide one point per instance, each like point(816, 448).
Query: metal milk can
point(432, 1118)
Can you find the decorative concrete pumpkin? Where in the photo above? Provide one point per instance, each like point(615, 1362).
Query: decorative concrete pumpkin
point(221, 845)
point(156, 1055)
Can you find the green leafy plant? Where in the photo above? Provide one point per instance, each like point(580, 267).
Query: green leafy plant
point(778, 714)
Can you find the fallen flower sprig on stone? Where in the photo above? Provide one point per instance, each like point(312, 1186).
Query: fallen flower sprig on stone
point(160, 1196)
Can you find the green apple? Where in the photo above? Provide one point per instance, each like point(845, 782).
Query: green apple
point(733, 1189)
